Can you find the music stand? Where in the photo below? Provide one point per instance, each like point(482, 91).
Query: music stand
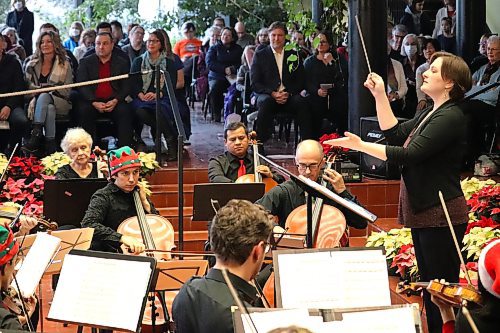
point(25, 244)
point(314, 189)
point(222, 192)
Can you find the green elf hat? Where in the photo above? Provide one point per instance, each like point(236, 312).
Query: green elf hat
point(123, 158)
point(8, 245)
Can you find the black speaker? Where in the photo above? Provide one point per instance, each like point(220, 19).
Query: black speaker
point(371, 166)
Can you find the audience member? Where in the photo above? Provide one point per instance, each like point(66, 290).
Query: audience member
point(186, 48)
point(117, 33)
point(325, 83)
point(74, 33)
point(244, 38)
point(223, 60)
point(262, 38)
point(396, 84)
point(136, 46)
point(449, 10)
point(11, 108)
point(126, 38)
point(447, 39)
point(410, 62)
point(202, 80)
point(143, 90)
point(431, 46)
point(298, 38)
point(106, 98)
point(415, 19)
point(278, 84)
point(239, 237)
point(87, 41)
point(481, 59)
point(246, 62)
point(117, 51)
point(15, 47)
point(48, 66)
point(23, 21)
point(398, 34)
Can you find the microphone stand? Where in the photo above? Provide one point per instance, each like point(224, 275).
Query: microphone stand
point(180, 142)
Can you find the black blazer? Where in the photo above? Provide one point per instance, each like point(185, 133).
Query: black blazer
point(265, 77)
point(25, 27)
point(433, 158)
point(89, 70)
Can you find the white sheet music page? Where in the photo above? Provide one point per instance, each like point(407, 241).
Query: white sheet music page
point(269, 320)
point(36, 261)
point(101, 291)
point(395, 320)
point(334, 279)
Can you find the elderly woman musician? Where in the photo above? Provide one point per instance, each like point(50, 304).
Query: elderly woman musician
point(429, 148)
point(77, 144)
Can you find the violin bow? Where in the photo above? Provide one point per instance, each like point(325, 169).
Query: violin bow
point(4, 173)
point(472, 324)
point(445, 209)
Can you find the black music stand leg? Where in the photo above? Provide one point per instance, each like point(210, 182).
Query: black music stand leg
point(161, 297)
point(180, 175)
point(309, 222)
point(153, 312)
point(157, 115)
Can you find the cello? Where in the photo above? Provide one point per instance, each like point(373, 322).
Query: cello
point(157, 233)
point(256, 177)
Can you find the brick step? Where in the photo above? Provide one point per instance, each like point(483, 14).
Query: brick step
point(169, 176)
point(172, 216)
point(193, 240)
point(165, 196)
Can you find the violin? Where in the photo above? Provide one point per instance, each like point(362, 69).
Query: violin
point(157, 233)
point(21, 308)
point(256, 177)
point(12, 214)
point(454, 294)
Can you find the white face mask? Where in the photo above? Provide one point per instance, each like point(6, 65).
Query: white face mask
point(410, 50)
point(18, 5)
point(73, 32)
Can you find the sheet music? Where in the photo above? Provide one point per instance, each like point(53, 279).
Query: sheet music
point(269, 320)
point(334, 279)
point(36, 261)
point(395, 320)
point(101, 291)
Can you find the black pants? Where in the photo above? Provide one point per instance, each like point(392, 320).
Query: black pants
point(437, 258)
point(334, 111)
point(19, 126)
point(148, 117)
point(122, 117)
point(217, 90)
point(295, 105)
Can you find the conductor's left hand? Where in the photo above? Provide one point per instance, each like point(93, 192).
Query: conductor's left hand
point(351, 141)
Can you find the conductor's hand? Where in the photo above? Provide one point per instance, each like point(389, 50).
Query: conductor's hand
point(265, 171)
point(351, 141)
point(336, 179)
point(135, 245)
point(376, 85)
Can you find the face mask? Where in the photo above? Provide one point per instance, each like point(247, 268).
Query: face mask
point(410, 50)
point(18, 5)
point(73, 32)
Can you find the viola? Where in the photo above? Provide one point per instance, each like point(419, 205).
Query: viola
point(157, 233)
point(21, 308)
point(256, 177)
point(10, 214)
point(454, 294)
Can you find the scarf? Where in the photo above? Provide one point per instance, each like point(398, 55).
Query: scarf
point(490, 70)
point(148, 64)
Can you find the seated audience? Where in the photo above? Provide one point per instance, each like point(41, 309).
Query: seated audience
point(48, 66)
point(396, 83)
point(449, 10)
point(186, 48)
point(11, 108)
point(75, 31)
point(430, 47)
point(398, 34)
point(15, 47)
point(144, 90)
point(239, 237)
point(278, 85)
point(410, 63)
point(202, 79)
point(87, 41)
point(117, 51)
point(23, 21)
point(325, 67)
point(262, 38)
point(117, 33)
point(244, 38)
point(299, 39)
point(237, 160)
point(136, 46)
point(416, 19)
point(223, 59)
point(77, 144)
point(447, 39)
point(107, 98)
point(481, 59)
point(487, 316)
point(246, 62)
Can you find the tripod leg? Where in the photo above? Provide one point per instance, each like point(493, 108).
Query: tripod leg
point(161, 296)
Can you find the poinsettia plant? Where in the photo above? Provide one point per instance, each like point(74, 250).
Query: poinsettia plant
point(406, 262)
point(329, 149)
point(486, 203)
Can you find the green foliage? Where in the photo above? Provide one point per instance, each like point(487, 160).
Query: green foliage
point(103, 10)
point(254, 13)
point(475, 240)
point(5, 7)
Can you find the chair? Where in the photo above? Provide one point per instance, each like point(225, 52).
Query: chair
point(192, 90)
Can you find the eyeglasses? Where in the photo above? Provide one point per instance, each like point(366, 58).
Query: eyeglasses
point(304, 167)
point(153, 41)
point(492, 49)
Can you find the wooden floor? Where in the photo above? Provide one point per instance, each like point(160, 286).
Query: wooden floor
point(378, 196)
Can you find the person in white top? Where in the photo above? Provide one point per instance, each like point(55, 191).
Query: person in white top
point(449, 10)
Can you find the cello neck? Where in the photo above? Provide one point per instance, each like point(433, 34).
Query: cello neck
point(318, 205)
point(256, 163)
point(146, 234)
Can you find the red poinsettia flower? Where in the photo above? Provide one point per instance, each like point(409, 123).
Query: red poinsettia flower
point(404, 259)
point(486, 202)
point(328, 149)
point(483, 223)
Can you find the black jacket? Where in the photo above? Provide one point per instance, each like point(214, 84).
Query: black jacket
point(24, 23)
point(11, 79)
point(89, 70)
point(219, 57)
point(433, 158)
point(426, 27)
point(265, 77)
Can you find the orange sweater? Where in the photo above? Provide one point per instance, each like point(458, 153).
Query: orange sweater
point(185, 48)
